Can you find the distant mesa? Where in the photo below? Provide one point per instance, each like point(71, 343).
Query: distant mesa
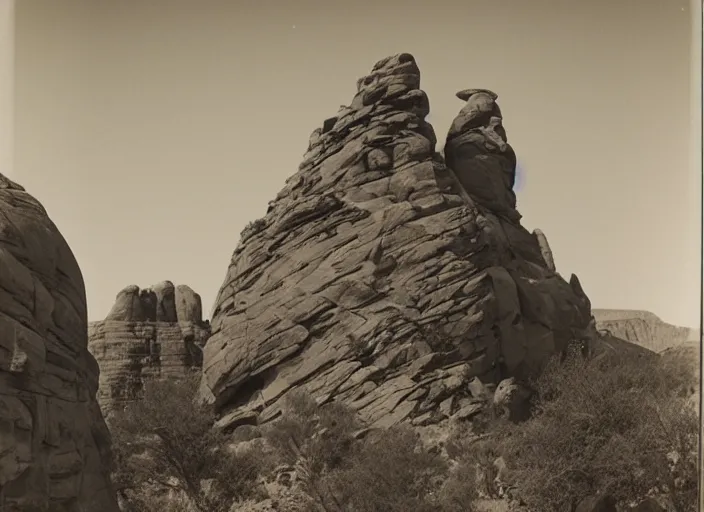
point(679, 346)
point(388, 276)
point(155, 332)
point(643, 328)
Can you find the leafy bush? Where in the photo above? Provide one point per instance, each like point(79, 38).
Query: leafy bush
point(165, 448)
point(614, 425)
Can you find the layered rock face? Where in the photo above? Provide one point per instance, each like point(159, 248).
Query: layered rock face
point(154, 332)
point(387, 276)
point(54, 445)
point(643, 328)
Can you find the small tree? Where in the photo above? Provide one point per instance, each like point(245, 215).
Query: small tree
point(165, 446)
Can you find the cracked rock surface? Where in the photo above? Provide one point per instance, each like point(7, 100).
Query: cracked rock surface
point(54, 445)
point(149, 333)
point(387, 276)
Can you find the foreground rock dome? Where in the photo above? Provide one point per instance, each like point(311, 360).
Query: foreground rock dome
point(54, 445)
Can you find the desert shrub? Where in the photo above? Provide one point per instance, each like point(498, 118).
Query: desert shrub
point(314, 439)
point(475, 450)
point(683, 361)
point(165, 446)
point(459, 494)
point(476, 455)
point(615, 425)
point(323, 435)
point(382, 471)
point(390, 472)
point(156, 500)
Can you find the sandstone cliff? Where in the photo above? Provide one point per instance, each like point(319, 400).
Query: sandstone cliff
point(54, 445)
point(387, 276)
point(154, 332)
point(643, 328)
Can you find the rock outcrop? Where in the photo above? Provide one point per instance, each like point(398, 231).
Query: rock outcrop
point(154, 332)
point(643, 328)
point(387, 276)
point(54, 445)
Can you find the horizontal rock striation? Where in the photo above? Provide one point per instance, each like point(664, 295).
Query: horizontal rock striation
point(386, 276)
point(153, 332)
point(643, 328)
point(54, 445)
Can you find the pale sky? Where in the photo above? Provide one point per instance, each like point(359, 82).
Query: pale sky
point(154, 130)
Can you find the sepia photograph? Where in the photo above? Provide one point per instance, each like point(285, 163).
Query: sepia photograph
point(372, 256)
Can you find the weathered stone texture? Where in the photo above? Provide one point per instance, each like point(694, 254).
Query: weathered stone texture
point(54, 445)
point(154, 332)
point(385, 277)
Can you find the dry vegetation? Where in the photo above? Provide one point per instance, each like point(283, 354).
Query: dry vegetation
point(168, 457)
point(618, 426)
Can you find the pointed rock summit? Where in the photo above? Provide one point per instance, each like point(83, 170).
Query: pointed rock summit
point(54, 445)
point(153, 332)
point(386, 276)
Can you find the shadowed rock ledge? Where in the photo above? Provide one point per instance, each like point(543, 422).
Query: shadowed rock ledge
point(386, 278)
point(153, 332)
point(54, 445)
